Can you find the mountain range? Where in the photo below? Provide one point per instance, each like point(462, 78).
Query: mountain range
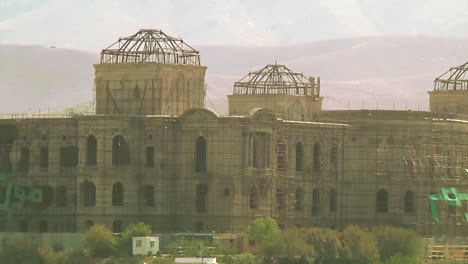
point(90, 24)
point(385, 72)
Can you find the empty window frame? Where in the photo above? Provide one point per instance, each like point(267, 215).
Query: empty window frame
point(120, 151)
point(68, 157)
point(381, 203)
point(201, 197)
point(44, 157)
point(253, 198)
point(148, 195)
point(117, 194)
point(88, 194)
point(149, 157)
point(409, 202)
point(316, 159)
point(316, 202)
point(299, 205)
point(200, 155)
point(91, 151)
point(299, 157)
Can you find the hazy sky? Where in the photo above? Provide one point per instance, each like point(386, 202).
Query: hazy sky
point(95, 24)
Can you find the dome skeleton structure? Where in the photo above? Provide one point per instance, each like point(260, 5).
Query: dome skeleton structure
point(276, 79)
point(150, 46)
point(455, 79)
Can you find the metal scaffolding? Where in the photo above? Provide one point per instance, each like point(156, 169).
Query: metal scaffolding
point(150, 46)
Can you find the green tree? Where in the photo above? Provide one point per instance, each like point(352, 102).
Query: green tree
point(263, 230)
point(394, 241)
point(326, 244)
point(359, 246)
point(290, 246)
point(134, 230)
point(99, 241)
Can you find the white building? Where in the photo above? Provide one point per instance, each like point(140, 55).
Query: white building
point(195, 260)
point(145, 246)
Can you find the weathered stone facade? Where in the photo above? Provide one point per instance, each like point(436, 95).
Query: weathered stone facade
point(152, 153)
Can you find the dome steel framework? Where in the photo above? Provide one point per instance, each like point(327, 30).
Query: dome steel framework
point(150, 46)
point(455, 79)
point(277, 79)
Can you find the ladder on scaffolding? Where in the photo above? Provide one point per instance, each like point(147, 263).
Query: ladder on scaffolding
point(282, 186)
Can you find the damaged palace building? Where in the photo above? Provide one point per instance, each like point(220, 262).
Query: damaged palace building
point(152, 153)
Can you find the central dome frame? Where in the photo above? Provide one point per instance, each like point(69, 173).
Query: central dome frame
point(150, 46)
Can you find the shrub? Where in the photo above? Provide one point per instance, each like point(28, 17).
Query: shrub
point(263, 230)
point(134, 230)
point(326, 243)
point(99, 241)
point(49, 256)
point(291, 246)
point(359, 246)
point(394, 241)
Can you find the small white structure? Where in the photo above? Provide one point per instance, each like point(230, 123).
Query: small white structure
point(195, 260)
point(145, 246)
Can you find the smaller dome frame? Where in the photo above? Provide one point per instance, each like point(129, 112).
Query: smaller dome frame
point(150, 46)
point(455, 79)
point(277, 79)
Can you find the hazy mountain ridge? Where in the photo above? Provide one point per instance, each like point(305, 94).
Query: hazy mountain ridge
point(385, 71)
point(65, 23)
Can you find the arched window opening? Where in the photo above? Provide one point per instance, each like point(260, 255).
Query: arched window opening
point(149, 157)
point(120, 151)
point(117, 194)
point(43, 227)
point(316, 164)
point(23, 226)
point(88, 193)
point(89, 224)
point(23, 164)
point(61, 196)
point(5, 149)
point(334, 157)
point(299, 156)
point(253, 199)
point(333, 200)
point(299, 205)
point(381, 205)
point(316, 202)
point(200, 155)
point(44, 158)
point(260, 149)
point(69, 157)
point(117, 226)
point(409, 202)
point(47, 196)
point(91, 151)
point(148, 195)
point(200, 200)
